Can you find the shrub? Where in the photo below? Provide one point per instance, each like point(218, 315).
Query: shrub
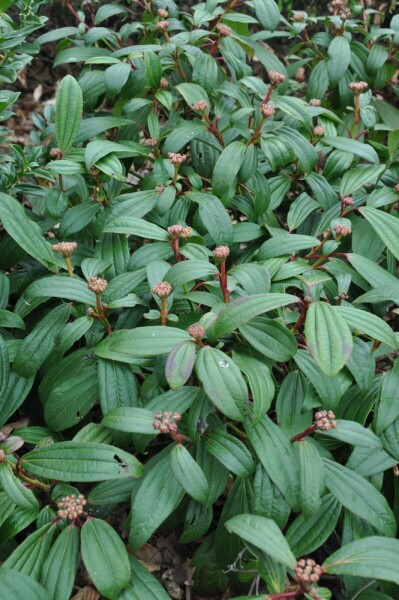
point(199, 278)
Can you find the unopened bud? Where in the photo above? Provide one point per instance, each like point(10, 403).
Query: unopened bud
point(224, 29)
point(175, 231)
point(276, 78)
point(163, 25)
point(163, 83)
point(221, 252)
point(200, 106)
point(187, 232)
point(196, 331)
point(299, 17)
point(342, 230)
point(267, 110)
point(325, 420)
point(315, 102)
point(396, 188)
point(163, 13)
point(348, 200)
point(163, 290)
point(176, 158)
point(166, 422)
point(65, 248)
point(318, 130)
point(308, 571)
point(358, 87)
point(56, 154)
point(97, 285)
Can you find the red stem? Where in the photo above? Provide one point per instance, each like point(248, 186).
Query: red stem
point(299, 436)
point(75, 14)
point(284, 595)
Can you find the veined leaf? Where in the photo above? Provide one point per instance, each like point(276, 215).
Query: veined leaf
point(359, 496)
point(180, 363)
point(20, 586)
point(61, 287)
point(385, 225)
point(59, 568)
point(339, 53)
point(128, 345)
point(189, 474)
point(243, 309)
point(222, 382)
point(230, 452)
point(329, 338)
point(68, 113)
point(81, 461)
point(264, 534)
point(131, 419)
point(371, 557)
point(368, 324)
point(105, 558)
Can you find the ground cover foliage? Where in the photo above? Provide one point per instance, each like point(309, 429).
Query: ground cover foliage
point(198, 295)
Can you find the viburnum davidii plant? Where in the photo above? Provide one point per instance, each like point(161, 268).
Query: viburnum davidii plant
point(198, 302)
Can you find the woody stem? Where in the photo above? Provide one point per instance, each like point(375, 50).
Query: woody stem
point(164, 312)
point(69, 266)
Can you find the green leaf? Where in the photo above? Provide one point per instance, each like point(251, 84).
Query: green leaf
point(20, 587)
point(222, 382)
point(359, 496)
point(368, 324)
point(286, 244)
point(353, 147)
point(152, 68)
point(225, 172)
point(189, 474)
point(309, 532)
point(128, 345)
point(328, 337)
point(182, 135)
point(157, 497)
point(354, 179)
point(230, 452)
point(138, 227)
point(385, 225)
point(68, 288)
point(15, 490)
point(388, 405)
point(214, 217)
point(105, 558)
point(131, 419)
point(270, 338)
point(179, 364)
point(68, 113)
point(264, 534)
point(311, 476)
point(9, 319)
point(243, 309)
point(189, 270)
point(371, 557)
point(353, 433)
point(260, 383)
point(268, 13)
point(115, 76)
point(117, 385)
point(37, 346)
point(26, 232)
point(29, 556)
point(143, 584)
point(81, 461)
point(59, 568)
point(4, 367)
point(70, 401)
point(339, 53)
point(276, 454)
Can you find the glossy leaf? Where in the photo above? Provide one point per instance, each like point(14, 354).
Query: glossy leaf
point(68, 114)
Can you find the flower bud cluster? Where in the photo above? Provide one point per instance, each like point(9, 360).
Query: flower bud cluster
point(221, 252)
point(224, 29)
point(163, 290)
point(163, 83)
point(307, 571)
point(348, 200)
point(342, 230)
point(358, 86)
point(318, 130)
point(267, 110)
point(56, 153)
point(163, 25)
point(65, 248)
point(196, 331)
point(166, 422)
point(176, 158)
point(150, 142)
point(396, 188)
point(200, 106)
point(71, 507)
point(97, 285)
point(325, 420)
point(163, 13)
point(276, 78)
point(299, 17)
point(315, 102)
